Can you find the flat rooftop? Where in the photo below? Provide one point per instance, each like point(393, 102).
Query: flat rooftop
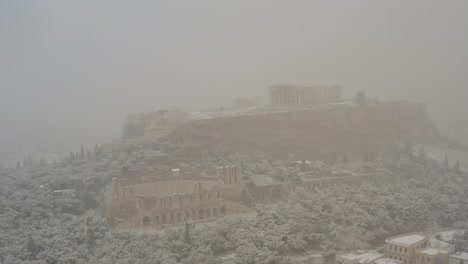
point(407, 240)
point(430, 251)
point(387, 261)
point(460, 255)
point(363, 257)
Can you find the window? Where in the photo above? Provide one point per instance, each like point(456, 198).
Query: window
point(390, 247)
point(400, 249)
point(406, 250)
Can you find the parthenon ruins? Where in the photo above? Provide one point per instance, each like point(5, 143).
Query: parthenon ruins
point(303, 96)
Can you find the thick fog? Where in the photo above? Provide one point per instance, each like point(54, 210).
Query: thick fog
point(70, 71)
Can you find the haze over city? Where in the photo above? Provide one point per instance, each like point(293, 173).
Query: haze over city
point(71, 71)
point(234, 132)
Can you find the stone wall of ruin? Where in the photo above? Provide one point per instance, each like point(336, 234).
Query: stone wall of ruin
point(317, 134)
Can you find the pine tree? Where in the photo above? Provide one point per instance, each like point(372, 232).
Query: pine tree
point(422, 152)
point(409, 148)
point(456, 167)
point(187, 231)
point(82, 153)
point(88, 154)
point(446, 164)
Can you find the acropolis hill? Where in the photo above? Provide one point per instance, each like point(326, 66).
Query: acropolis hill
point(311, 121)
point(316, 133)
point(299, 123)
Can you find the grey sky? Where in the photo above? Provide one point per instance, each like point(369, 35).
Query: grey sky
point(70, 71)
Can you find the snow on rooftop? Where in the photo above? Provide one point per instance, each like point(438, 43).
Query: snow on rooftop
point(407, 240)
point(363, 257)
point(460, 255)
point(441, 245)
point(387, 261)
point(430, 251)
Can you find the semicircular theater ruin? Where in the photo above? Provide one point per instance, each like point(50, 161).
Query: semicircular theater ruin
point(172, 202)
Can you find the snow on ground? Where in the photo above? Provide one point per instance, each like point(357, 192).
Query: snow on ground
point(447, 236)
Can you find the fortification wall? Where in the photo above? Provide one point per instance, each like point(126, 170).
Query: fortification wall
point(274, 193)
point(318, 133)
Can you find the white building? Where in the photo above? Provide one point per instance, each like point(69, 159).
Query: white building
point(459, 258)
point(403, 247)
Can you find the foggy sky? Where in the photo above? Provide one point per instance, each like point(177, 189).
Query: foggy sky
point(70, 71)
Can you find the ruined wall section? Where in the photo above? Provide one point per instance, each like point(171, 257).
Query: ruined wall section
point(269, 194)
point(119, 201)
point(231, 182)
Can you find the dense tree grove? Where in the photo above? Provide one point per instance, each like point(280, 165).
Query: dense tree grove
point(407, 193)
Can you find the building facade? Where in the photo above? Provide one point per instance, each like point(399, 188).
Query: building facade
point(302, 96)
point(431, 255)
point(403, 248)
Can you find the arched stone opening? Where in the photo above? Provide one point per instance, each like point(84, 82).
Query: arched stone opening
point(146, 221)
point(194, 215)
point(179, 217)
point(223, 210)
point(200, 214)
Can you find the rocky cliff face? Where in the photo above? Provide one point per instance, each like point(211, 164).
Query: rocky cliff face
point(318, 133)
